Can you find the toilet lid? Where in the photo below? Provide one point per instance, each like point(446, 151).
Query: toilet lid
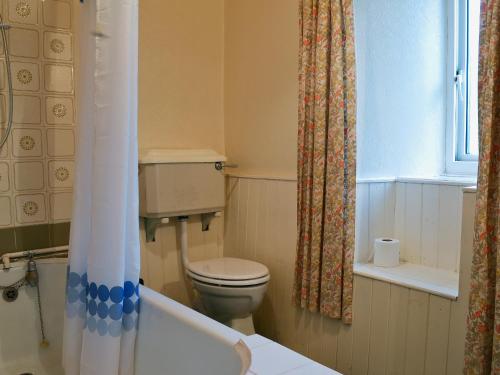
point(229, 269)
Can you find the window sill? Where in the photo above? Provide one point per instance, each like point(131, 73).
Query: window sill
point(435, 281)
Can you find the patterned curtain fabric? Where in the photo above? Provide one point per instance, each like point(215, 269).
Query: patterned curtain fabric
point(482, 349)
point(326, 158)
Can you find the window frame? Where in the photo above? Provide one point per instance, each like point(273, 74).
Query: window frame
point(457, 161)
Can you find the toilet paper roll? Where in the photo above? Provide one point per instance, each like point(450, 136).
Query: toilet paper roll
point(386, 252)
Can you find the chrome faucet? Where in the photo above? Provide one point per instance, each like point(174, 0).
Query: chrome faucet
point(31, 273)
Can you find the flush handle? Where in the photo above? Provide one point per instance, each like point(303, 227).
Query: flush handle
point(221, 165)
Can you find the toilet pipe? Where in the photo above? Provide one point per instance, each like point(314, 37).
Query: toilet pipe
point(184, 240)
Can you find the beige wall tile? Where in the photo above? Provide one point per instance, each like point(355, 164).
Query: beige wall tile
point(26, 142)
point(59, 110)
point(23, 42)
point(60, 142)
point(27, 110)
point(25, 76)
point(29, 175)
point(61, 205)
point(4, 177)
point(57, 46)
point(57, 14)
point(5, 211)
point(59, 78)
point(30, 208)
point(23, 11)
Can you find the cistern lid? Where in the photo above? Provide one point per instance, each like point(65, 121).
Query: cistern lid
point(169, 156)
point(229, 269)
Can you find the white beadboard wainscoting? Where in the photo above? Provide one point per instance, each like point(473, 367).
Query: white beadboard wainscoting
point(396, 330)
point(424, 216)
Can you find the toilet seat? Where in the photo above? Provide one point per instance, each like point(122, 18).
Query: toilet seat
point(229, 272)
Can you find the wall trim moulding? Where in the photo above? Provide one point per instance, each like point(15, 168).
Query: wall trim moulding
point(432, 180)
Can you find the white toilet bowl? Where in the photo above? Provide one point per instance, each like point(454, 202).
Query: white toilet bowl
point(230, 289)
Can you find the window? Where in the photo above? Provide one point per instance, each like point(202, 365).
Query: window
point(462, 132)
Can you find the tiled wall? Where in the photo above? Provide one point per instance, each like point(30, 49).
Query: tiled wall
point(37, 164)
point(396, 330)
point(425, 217)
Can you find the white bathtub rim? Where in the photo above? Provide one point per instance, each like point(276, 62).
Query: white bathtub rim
point(190, 316)
point(200, 323)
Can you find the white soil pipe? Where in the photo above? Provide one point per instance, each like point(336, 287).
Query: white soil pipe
point(184, 241)
point(6, 258)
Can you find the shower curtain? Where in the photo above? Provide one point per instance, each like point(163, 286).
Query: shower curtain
point(102, 302)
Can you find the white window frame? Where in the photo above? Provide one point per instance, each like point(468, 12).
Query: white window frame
point(457, 162)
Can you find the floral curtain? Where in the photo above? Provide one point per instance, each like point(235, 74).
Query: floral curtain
point(482, 348)
point(326, 158)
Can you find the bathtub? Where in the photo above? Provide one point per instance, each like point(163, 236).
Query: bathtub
point(171, 339)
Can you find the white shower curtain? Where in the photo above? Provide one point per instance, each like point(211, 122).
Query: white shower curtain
point(102, 303)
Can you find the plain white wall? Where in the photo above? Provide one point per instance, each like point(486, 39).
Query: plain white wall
point(401, 48)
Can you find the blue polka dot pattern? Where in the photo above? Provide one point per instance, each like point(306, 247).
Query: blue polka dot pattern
point(93, 290)
point(128, 289)
point(104, 309)
point(103, 293)
point(116, 311)
point(116, 294)
point(128, 306)
point(73, 279)
point(83, 280)
point(102, 327)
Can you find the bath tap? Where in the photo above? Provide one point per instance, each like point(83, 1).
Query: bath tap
point(31, 273)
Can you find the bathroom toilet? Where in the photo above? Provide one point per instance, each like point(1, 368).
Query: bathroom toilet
point(176, 184)
point(229, 289)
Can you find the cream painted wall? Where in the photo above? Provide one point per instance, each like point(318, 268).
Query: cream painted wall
point(181, 49)
point(261, 86)
point(401, 60)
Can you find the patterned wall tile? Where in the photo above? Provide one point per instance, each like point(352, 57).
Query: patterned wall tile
point(23, 11)
point(4, 177)
point(5, 211)
point(30, 208)
point(26, 142)
point(28, 175)
point(60, 142)
point(61, 173)
point(57, 14)
point(3, 76)
point(57, 46)
point(37, 163)
point(61, 206)
point(23, 42)
point(26, 76)
point(27, 110)
point(59, 110)
point(59, 78)
point(4, 151)
point(3, 112)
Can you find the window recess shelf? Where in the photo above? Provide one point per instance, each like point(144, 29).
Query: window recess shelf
point(435, 281)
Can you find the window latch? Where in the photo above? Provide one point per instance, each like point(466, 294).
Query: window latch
point(459, 82)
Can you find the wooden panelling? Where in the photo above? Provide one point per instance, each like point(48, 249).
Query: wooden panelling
point(374, 216)
point(396, 331)
point(428, 223)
